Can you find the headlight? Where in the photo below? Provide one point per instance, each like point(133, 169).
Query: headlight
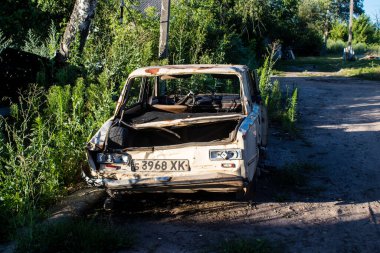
point(225, 154)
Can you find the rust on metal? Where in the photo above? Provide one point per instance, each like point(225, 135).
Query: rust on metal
point(152, 71)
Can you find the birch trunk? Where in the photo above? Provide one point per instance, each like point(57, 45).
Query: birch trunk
point(79, 25)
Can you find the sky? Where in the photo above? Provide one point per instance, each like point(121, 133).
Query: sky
point(371, 7)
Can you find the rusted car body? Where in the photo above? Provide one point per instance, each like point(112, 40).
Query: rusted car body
point(181, 128)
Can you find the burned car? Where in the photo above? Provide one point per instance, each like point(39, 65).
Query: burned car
point(181, 128)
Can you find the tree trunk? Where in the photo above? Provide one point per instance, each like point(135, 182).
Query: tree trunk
point(350, 23)
point(163, 51)
point(79, 24)
point(325, 32)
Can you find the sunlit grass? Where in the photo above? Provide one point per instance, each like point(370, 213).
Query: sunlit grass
point(365, 69)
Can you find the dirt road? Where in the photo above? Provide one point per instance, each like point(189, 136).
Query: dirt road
point(337, 211)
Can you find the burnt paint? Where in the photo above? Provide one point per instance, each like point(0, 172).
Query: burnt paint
point(152, 71)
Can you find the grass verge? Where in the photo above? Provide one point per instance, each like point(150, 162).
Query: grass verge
point(366, 69)
point(73, 236)
point(368, 73)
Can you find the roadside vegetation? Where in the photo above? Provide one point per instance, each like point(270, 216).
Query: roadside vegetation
point(281, 104)
point(368, 69)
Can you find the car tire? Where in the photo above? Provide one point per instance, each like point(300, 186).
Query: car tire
point(117, 137)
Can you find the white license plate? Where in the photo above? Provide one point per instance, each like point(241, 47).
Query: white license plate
point(160, 165)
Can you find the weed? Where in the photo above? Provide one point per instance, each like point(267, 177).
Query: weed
point(282, 109)
point(41, 150)
point(73, 236)
point(247, 246)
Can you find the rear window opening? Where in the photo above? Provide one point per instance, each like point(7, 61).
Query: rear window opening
point(185, 93)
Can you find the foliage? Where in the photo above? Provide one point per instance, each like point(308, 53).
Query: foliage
point(73, 236)
point(363, 30)
point(339, 31)
point(26, 179)
point(291, 111)
point(335, 46)
point(4, 42)
point(18, 17)
point(46, 48)
point(43, 151)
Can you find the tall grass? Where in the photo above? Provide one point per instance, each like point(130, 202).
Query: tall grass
point(42, 150)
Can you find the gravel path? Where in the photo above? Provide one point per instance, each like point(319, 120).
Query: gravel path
point(338, 211)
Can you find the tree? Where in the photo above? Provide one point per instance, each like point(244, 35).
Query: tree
point(79, 25)
point(363, 30)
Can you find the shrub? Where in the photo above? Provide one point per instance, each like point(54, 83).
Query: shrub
point(335, 46)
point(373, 49)
point(360, 48)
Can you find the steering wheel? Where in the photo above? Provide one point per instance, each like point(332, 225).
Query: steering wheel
point(184, 99)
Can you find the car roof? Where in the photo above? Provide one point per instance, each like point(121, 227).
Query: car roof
point(189, 69)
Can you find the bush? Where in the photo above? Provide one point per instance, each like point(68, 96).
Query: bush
point(335, 46)
point(373, 49)
point(360, 48)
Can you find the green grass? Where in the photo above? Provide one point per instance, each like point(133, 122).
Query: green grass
point(366, 69)
point(247, 246)
point(73, 236)
point(368, 73)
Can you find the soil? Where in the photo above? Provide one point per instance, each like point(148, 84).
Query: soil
point(336, 210)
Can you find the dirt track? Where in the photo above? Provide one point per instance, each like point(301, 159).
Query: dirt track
point(339, 211)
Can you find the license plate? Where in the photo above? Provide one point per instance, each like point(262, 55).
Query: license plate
point(160, 165)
